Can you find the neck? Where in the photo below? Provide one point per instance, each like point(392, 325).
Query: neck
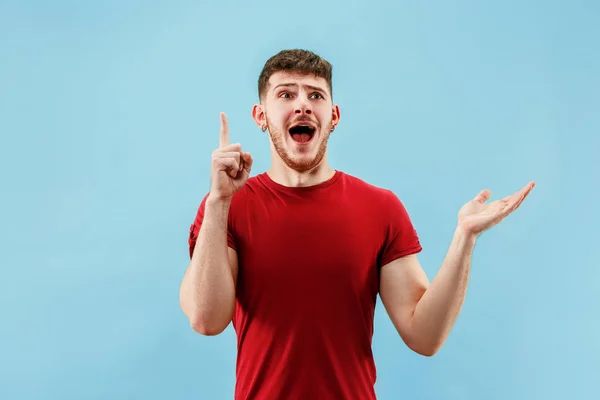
point(286, 176)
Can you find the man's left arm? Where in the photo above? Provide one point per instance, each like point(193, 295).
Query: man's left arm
point(423, 312)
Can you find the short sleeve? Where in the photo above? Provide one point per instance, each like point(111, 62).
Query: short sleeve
point(195, 228)
point(401, 236)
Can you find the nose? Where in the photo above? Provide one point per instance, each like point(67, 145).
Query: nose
point(303, 107)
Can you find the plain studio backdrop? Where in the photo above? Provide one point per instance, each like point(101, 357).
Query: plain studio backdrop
point(109, 112)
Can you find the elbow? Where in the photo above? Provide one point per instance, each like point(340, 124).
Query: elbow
point(206, 328)
point(198, 320)
point(207, 321)
point(426, 349)
point(204, 324)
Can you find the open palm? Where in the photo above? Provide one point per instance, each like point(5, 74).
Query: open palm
point(477, 216)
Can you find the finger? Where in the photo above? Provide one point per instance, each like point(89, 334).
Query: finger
point(483, 196)
point(528, 188)
point(519, 202)
point(227, 155)
point(247, 160)
point(231, 147)
point(223, 164)
point(526, 191)
point(517, 199)
point(531, 185)
point(237, 155)
point(510, 208)
point(224, 136)
point(240, 160)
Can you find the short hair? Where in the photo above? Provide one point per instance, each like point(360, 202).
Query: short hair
point(295, 60)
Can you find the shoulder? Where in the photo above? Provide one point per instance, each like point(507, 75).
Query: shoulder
point(256, 187)
point(364, 188)
point(252, 185)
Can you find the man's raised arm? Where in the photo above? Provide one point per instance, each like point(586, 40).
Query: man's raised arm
point(207, 292)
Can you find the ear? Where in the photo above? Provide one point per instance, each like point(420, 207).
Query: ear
point(335, 115)
point(258, 115)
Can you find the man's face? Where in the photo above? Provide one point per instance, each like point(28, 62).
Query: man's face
point(299, 114)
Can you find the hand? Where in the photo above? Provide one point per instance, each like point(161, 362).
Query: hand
point(476, 216)
point(230, 166)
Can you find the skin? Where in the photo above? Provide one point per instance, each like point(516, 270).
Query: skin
point(422, 312)
point(289, 98)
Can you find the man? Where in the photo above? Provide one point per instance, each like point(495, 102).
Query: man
point(296, 256)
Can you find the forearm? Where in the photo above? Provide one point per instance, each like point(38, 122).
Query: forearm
point(208, 289)
point(438, 308)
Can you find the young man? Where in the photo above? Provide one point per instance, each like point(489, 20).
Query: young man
point(296, 256)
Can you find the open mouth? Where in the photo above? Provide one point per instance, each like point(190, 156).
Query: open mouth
point(302, 133)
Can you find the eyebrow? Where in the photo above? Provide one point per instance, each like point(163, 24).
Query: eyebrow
point(315, 88)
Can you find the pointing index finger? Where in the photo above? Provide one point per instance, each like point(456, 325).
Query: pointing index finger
point(224, 135)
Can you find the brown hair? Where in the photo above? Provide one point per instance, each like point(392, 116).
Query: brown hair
point(296, 60)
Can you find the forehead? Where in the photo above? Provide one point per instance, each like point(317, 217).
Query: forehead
point(297, 78)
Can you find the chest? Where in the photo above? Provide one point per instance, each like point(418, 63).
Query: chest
point(309, 246)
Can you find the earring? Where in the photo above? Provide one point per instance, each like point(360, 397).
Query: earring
point(264, 128)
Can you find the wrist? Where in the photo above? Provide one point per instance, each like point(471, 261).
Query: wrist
point(464, 234)
point(216, 203)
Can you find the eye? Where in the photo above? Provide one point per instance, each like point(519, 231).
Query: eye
point(285, 95)
point(317, 95)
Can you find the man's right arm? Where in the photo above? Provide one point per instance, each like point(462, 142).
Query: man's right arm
point(207, 292)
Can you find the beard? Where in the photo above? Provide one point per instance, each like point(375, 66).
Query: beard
point(302, 163)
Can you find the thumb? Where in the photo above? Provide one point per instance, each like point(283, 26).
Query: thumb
point(483, 196)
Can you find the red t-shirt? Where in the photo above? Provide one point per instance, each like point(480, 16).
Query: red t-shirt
point(309, 260)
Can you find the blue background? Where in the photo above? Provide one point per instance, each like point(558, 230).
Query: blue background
point(109, 112)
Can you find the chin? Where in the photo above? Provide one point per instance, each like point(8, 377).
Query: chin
point(301, 150)
point(305, 159)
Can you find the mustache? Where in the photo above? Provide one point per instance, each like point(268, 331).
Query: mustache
point(304, 118)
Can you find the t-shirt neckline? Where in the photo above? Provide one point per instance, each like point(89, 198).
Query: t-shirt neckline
point(265, 178)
